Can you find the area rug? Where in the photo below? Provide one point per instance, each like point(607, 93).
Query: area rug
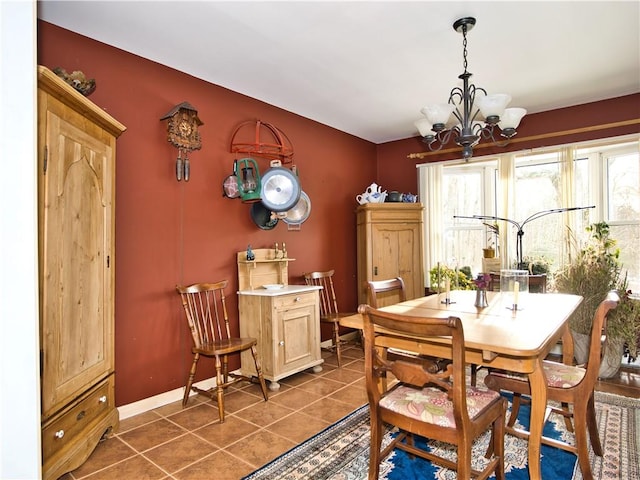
point(341, 451)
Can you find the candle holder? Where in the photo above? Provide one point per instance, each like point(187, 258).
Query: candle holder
point(513, 285)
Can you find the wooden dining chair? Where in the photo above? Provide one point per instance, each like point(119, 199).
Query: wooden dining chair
point(387, 292)
point(437, 406)
point(206, 312)
point(329, 312)
point(566, 384)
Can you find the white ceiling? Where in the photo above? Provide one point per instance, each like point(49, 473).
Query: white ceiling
point(367, 68)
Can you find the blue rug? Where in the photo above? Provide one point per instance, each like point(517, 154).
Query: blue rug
point(341, 451)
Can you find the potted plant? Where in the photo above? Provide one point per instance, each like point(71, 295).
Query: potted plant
point(459, 279)
point(492, 238)
point(538, 265)
point(592, 273)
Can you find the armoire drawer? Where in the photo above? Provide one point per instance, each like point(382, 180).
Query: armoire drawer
point(66, 427)
point(294, 301)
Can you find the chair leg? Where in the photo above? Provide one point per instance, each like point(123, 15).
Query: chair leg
point(515, 408)
point(376, 444)
point(464, 459)
point(592, 425)
point(474, 374)
point(567, 418)
point(497, 432)
point(336, 342)
point(192, 374)
point(263, 385)
point(580, 411)
point(220, 381)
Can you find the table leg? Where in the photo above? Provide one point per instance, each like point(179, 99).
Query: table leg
point(538, 383)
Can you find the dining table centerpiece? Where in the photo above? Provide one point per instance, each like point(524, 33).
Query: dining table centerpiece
point(482, 282)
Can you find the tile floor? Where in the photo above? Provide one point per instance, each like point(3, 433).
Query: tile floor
point(189, 444)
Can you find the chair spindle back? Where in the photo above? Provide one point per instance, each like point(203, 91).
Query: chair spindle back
point(206, 311)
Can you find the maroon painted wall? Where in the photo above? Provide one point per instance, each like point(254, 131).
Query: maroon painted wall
point(170, 232)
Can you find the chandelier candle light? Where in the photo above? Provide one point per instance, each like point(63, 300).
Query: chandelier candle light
point(466, 108)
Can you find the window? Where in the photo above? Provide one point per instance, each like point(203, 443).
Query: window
point(519, 186)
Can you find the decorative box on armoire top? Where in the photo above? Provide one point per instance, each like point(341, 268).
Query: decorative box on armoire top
point(76, 189)
point(389, 238)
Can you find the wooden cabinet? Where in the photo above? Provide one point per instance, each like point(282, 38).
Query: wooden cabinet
point(76, 187)
point(286, 324)
point(285, 321)
point(389, 237)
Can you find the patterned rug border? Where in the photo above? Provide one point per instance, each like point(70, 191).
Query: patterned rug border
point(327, 458)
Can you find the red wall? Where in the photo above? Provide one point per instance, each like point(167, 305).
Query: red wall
point(170, 232)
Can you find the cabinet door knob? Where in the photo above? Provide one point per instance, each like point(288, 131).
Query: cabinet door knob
point(103, 399)
point(59, 434)
point(297, 299)
point(281, 343)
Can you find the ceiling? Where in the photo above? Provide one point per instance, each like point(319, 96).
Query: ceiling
point(367, 68)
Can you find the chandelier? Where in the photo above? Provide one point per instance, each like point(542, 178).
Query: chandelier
point(468, 109)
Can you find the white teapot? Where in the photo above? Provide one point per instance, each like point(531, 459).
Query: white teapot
point(374, 188)
point(379, 197)
point(362, 198)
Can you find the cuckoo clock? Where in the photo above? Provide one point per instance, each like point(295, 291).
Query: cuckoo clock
point(182, 133)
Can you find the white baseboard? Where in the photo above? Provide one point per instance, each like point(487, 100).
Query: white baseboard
point(160, 400)
point(176, 394)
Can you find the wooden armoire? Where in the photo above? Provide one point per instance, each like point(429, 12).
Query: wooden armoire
point(76, 188)
point(389, 237)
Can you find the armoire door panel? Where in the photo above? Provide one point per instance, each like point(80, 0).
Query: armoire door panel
point(77, 280)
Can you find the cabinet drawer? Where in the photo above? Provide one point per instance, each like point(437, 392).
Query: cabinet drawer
point(294, 300)
point(66, 427)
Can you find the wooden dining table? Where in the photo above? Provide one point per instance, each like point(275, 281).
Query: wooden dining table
point(496, 336)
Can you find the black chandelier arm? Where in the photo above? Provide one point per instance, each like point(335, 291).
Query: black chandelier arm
point(466, 111)
point(440, 139)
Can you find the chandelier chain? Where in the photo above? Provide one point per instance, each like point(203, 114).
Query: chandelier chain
point(464, 47)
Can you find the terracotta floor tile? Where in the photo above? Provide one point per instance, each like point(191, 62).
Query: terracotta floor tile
point(297, 379)
point(106, 453)
point(264, 413)
point(223, 434)
point(237, 400)
point(295, 398)
point(354, 396)
point(356, 365)
point(260, 448)
point(137, 420)
point(298, 427)
point(254, 388)
point(219, 466)
point(179, 453)
point(322, 386)
point(195, 417)
point(328, 409)
point(176, 407)
point(151, 434)
point(344, 375)
point(136, 467)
